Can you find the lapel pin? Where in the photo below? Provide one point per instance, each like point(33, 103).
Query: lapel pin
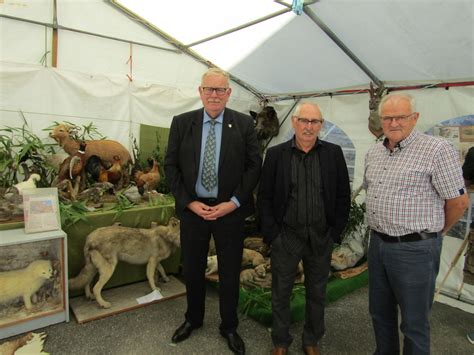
point(230, 125)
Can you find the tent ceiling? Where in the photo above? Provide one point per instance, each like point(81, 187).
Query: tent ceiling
point(399, 42)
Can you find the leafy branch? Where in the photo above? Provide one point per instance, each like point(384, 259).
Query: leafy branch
point(356, 218)
point(72, 213)
point(122, 204)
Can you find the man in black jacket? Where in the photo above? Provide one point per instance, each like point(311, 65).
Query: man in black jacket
point(468, 174)
point(212, 166)
point(304, 203)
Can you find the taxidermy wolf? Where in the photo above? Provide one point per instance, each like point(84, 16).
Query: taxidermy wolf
point(24, 282)
point(106, 246)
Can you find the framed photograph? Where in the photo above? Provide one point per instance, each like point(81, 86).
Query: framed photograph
point(450, 133)
point(41, 210)
point(33, 280)
point(467, 134)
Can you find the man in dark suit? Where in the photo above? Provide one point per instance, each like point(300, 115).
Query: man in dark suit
point(212, 166)
point(468, 175)
point(304, 202)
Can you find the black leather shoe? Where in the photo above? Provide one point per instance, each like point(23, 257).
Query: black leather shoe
point(183, 332)
point(235, 342)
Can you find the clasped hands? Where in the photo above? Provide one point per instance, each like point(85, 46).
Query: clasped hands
point(211, 213)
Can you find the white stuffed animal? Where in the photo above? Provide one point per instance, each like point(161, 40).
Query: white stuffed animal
point(28, 184)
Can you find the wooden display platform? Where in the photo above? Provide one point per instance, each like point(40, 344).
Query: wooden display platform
point(123, 299)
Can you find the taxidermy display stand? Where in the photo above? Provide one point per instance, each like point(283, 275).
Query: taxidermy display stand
point(123, 299)
point(39, 315)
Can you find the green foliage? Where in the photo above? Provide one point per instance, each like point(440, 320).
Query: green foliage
point(7, 161)
point(255, 298)
point(122, 204)
point(156, 154)
point(72, 212)
point(19, 147)
point(159, 200)
point(79, 133)
point(160, 158)
point(356, 218)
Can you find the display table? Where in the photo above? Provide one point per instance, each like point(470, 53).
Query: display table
point(138, 217)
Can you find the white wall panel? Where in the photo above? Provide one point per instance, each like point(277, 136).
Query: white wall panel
point(115, 105)
point(24, 42)
point(165, 68)
point(35, 10)
point(99, 17)
point(94, 55)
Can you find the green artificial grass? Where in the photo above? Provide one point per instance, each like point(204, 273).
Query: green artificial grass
point(256, 302)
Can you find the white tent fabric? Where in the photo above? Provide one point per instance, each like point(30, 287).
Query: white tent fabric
point(118, 71)
point(399, 41)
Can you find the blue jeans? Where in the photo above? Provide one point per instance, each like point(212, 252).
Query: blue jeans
point(402, 275)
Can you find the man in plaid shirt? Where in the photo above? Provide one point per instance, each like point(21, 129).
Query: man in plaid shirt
point(415, 193)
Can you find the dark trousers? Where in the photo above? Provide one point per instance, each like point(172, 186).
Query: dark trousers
point(284, 268)
point(402, 275)
point(228, 233)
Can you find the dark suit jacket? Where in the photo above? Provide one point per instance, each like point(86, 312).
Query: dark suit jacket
point(239, 161)
point(275, 188)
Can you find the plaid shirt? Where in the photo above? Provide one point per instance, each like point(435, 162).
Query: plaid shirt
point(406, 188)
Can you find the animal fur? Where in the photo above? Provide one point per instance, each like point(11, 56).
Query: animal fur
point(28, 184)
point(9, 347)
point(249, 257)
point(252, 257)
point(261, 270)
point(148, 181)
point(106, 246)
point(30, 343)
point(212, 246)
point(250, 277)
point(257, 244)
point(300, 273)
point(25, 282)
point(376, 94)
point(266, 123)
point(211, 265)
point(105, 149)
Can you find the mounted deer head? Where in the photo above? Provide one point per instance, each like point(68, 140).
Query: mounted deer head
point(376, 95)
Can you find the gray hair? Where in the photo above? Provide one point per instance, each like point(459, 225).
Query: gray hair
point(302, 103)
point(397, 97)
point(215, 71)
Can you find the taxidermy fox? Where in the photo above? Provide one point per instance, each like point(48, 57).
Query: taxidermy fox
point(106, 246)
point(24, 282)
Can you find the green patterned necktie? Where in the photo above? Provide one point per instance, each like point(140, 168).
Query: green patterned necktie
point(209, 175)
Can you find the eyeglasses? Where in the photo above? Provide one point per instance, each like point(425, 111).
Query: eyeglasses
point(389, 119)
point(209, 91)
point(305, 121)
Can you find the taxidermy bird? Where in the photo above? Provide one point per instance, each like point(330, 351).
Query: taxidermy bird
point(146, 182)
point(28, 184)
point(95, 167)
point(31, 343)
point(114, 173)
